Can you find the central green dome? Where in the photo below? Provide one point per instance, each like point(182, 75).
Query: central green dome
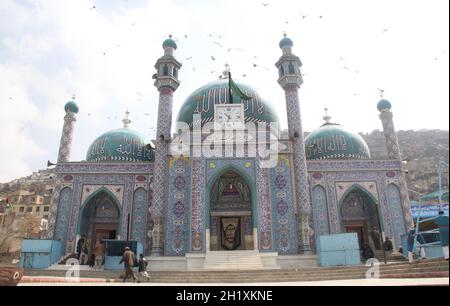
point(332, 141)
point(202, 102)
point(121, 145)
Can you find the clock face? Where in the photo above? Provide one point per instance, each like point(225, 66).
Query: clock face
point(229, 116)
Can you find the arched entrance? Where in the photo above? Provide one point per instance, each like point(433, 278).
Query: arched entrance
point(231, 217)
point(100, 219)
point(359, 214)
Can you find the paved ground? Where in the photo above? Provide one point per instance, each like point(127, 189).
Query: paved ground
point(363, 282)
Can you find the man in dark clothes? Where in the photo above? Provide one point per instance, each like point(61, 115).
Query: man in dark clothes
point(129, 261)
point(442, 223)
point(367, 253)
point(388, 246)
point(80, 245)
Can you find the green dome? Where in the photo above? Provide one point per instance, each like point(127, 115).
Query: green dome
point(384, 104)
point(71, 107)
point(121, 145)
point(202, 102)
point(332, 141)
point(169, 42)
point(286, 42)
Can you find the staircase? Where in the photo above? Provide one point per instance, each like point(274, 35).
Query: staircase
point(390, 256)
point(233, 260)
point(433, 268)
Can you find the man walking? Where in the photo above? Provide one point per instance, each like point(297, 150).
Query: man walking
point(99, 253)
point(129, 261)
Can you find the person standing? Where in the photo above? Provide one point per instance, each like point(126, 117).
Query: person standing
point(143, 266)
point(129, 261)
point(411, 235)
point(442, 222)
point(99, 253)
point(80, 246)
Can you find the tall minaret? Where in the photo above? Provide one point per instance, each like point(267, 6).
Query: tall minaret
point(167, 83)
point(65, 145)
point(290, 79)
point(393, 150)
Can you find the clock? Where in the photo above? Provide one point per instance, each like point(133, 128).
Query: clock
point(229, 116)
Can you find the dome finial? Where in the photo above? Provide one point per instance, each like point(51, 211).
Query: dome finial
point(73, 97)
point(125, 120)
point(381, 93)
point(226, 72)
point(326, 118)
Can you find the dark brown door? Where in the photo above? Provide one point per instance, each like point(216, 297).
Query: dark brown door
point(359, 231)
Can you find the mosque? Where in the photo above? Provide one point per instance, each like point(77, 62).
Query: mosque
point(186, 207)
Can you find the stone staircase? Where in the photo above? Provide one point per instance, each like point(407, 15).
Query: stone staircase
point(421, 269)
point(390, 256)
point(235, 260)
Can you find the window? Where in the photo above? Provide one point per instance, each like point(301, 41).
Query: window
point(165, 70)
point(291, 69)
point(45, 217)
point(38, 209)
point(46, 208)
point(30, 209)
point(21, 209)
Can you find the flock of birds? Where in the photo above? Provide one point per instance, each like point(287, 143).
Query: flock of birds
point(217, 41)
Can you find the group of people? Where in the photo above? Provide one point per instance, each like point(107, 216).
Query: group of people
point(94, 259)
point(367, 252)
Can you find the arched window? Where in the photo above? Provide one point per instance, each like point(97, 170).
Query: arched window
point(291, 68)
point(165, 70)
point(175, 72)
point(281, 71)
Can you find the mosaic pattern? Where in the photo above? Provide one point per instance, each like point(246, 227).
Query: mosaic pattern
point(198, 193)
point(161, 168)
point(66, 138)
point(397, 215)
point(299, 158)
point(179, 201)
point(284, 221)
point(393, 149)
point(264, 209)
point(127, 181)
point(320, 212)
point(139, 217)
point(62, 224)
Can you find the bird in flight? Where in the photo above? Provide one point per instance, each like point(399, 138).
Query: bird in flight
point(255, 65)
point(93, 7)
point(188, 58)
point(381, 92)
point(213, 58)
point(304, 16)
point(265, 4)
point(384, 31)
point(89, 114)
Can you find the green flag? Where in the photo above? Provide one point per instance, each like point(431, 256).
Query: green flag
point(233, 88)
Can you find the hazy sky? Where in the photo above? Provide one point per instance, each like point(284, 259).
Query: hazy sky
point(52, 49)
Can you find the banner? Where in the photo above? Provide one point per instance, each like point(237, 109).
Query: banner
point(231, 233)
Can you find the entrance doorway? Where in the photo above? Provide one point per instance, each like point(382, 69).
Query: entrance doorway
point(360, 216)
point(231, 214)
point(100, 219)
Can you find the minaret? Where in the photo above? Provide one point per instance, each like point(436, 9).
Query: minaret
point(290, 79)
point(65, 145)
point(167, 83)
point(393, 150)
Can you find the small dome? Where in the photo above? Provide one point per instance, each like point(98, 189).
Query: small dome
point(71, 107)
point(169, 42)
point(202, 102)
point(384, 104)
point(332, 141)
point(286, 42)
point(121, 145)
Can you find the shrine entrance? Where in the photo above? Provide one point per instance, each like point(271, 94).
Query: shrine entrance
point(231, 217)
point(359, 214)
point(100, 219)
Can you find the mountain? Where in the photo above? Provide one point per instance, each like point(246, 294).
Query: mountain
point(423, 150)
